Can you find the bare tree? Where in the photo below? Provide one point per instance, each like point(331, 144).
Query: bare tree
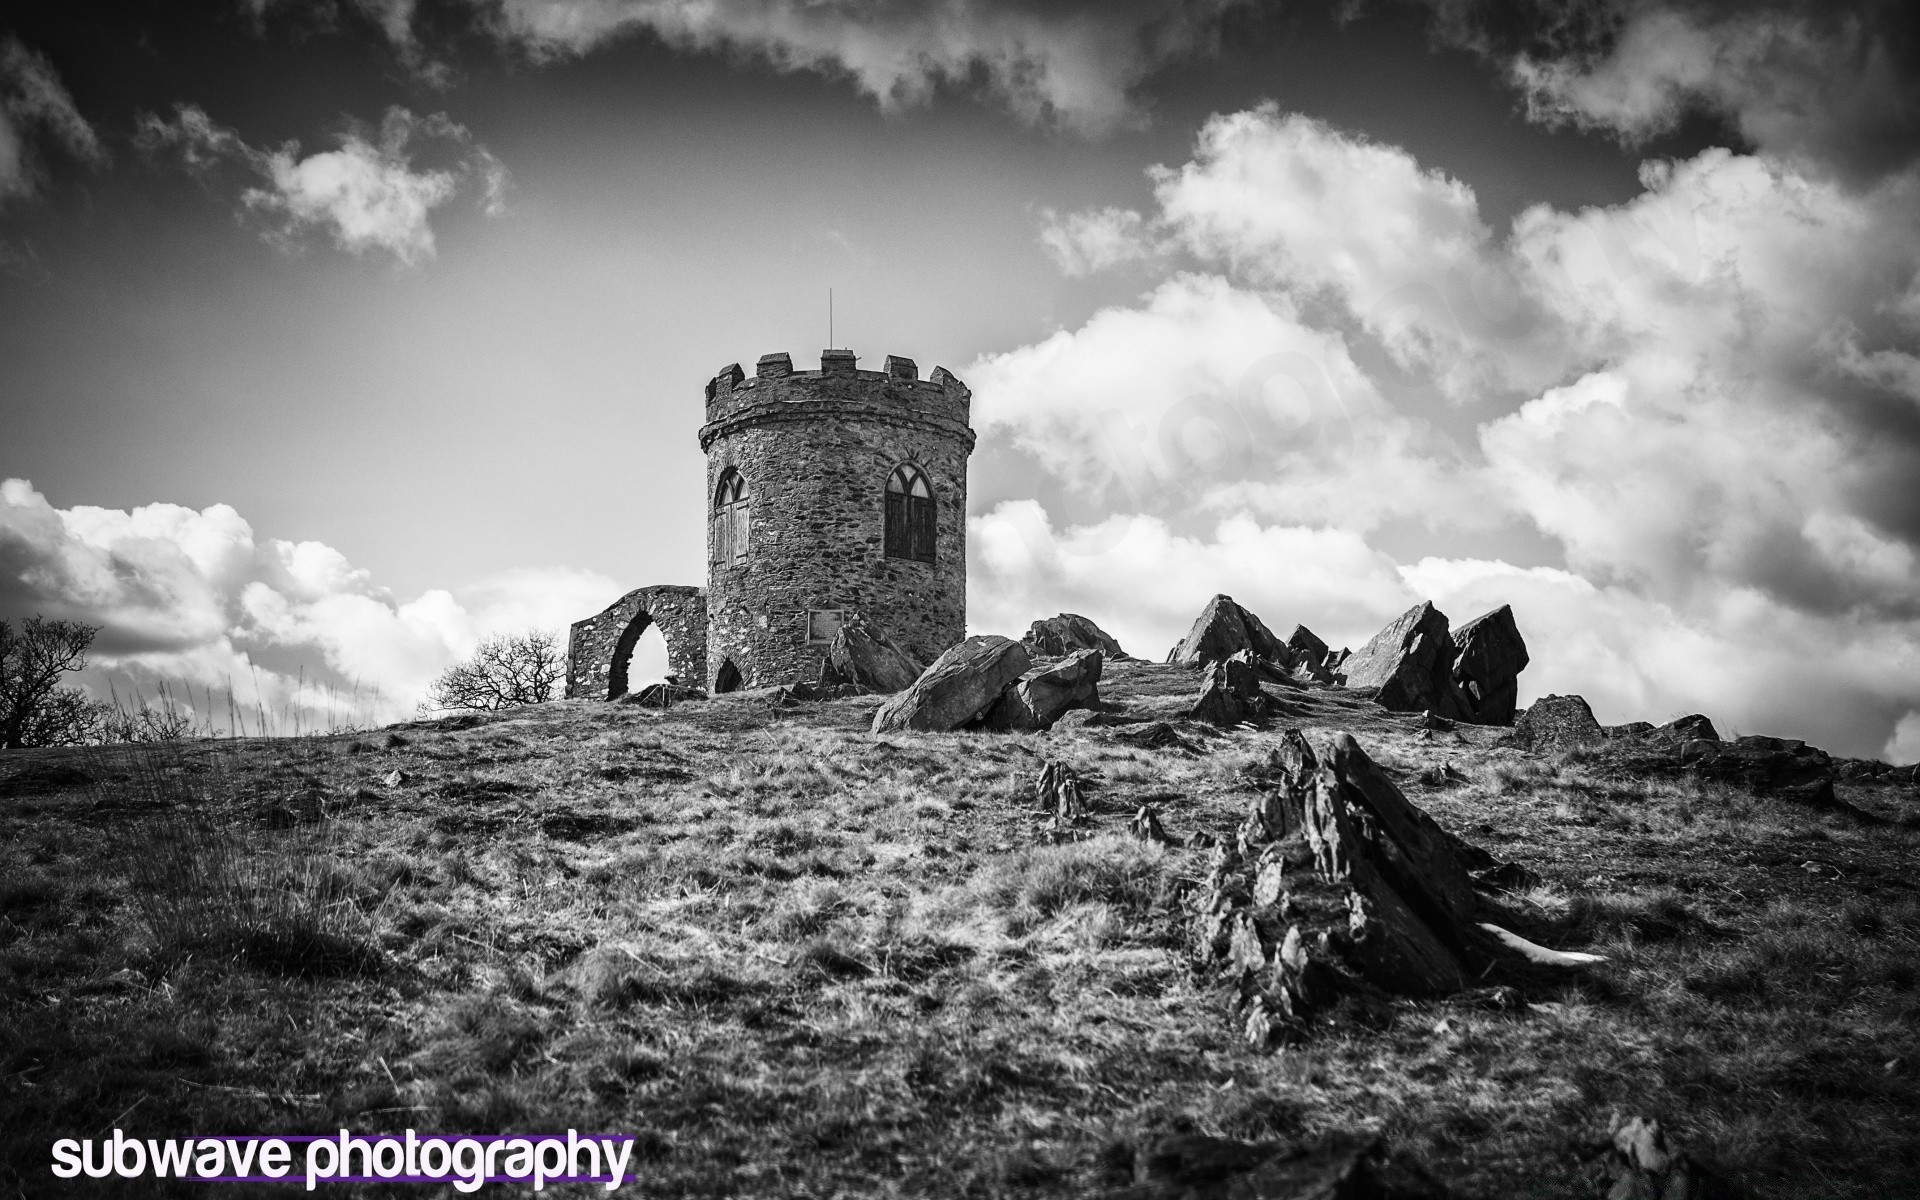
point(34, 709)
point(503, 672)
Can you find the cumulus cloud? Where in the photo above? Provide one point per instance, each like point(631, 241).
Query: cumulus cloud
point(1833, 85)
point(34, 104)
point(1072, 64)
point(195, 598)
point(1705, 397)
point(368, 195)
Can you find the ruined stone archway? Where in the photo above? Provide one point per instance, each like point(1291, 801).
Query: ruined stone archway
point(600, 647)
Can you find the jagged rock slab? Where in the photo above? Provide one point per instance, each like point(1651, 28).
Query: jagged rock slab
point(1045, 694)
point(1557, 723)
point(1306, 645)
point(1067, 633)
point(1222, 630)
point(1486, 670)
point(1694, 728)
point(1411, 663)
point(960, 686)
point(1231, 695)
point(869, 660)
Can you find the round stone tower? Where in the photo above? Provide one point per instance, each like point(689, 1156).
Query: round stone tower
point(832, 495)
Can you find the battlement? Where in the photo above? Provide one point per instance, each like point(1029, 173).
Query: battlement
point(894, 390)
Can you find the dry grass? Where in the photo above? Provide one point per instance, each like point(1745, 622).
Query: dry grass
point(797, 959)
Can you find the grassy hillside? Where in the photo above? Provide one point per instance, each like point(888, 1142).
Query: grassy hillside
point(795, 958)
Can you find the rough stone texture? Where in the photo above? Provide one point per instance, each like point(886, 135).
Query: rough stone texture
point(1044, 694)
point(1486, 674)
point(1688, 729)
point(1231, 693)
point(815, 449)
point(1068, 632)
point(600, 648)
point(1766, 765)
point(1389, 903)
point(869, 661)
point(1557, 723)
point(1223, 629)
point(1307, 645)
point(960, 686)
point(1411, 662)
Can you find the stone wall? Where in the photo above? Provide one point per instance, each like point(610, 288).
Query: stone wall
point(600, 648)
point(816, 448)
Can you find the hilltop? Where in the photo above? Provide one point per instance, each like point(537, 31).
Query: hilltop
point(794, 957)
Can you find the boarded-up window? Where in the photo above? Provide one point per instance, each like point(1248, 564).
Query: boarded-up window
point(823, 624)
point(730, 530)
point(909, 532)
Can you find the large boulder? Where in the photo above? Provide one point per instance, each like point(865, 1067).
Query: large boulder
point(1222, 630)
point(868, 660)
point(1231, 693)
point(1557, 723)
point(1411, 663)
point(1307, 645)
point(1693, 728)
point(1766, 765)
point(1486, 672)
point(1044, 694)
point(1068, 632)
point(958, 688)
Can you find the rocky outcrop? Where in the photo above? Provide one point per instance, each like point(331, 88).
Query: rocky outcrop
point(1411, 663)
point(958, 688)
point(1557, 723)
point(1641, 1162)
point(1337, 886)
point(1044, 694)
point(1780, 767)
point(869, 661)
point(1222, 630)
point(1068, 632)
point(1306, 646)
point(1694, 728)
point(1231, 694)
point(1486, 669)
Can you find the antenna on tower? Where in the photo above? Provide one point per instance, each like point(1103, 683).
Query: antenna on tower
point(829, 318)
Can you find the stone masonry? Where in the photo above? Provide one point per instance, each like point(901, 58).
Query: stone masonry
point(815, 450)
point(600, 647)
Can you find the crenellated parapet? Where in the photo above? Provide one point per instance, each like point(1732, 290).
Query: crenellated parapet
point(895, 394)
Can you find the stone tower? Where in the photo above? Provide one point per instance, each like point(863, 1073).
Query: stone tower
point(832, 495)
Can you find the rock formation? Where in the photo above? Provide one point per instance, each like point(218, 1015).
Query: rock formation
point(1389, 904)
point(1306, 646)
point(1491, 655)
point(1224, 629)
point(958, 688)
point(1557, 723)
point(1044, 694)
point(1411, 663)
point(868, 660)
point(1231, 693)
point(1068, 632)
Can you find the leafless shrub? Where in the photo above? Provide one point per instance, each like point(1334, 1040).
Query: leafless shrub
point(502, 672)
point(34, 709)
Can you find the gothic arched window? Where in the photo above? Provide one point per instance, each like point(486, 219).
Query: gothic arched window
point(730, 530)
point(909, 532)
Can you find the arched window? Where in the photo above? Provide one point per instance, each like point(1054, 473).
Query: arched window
point(730, 532)
point(909, 531)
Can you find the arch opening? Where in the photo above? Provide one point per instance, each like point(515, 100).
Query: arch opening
point(727, 678)
point(639, 657)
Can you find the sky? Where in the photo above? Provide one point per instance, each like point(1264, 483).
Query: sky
point(336, 336)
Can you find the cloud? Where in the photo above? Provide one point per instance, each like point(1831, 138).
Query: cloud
point(1072, 64)
point(1904, 746)
point(367, 195)
point(1834, 86)
point(193, 597)
point(1707, 398)
point(1084, 242)
point(33, 102)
